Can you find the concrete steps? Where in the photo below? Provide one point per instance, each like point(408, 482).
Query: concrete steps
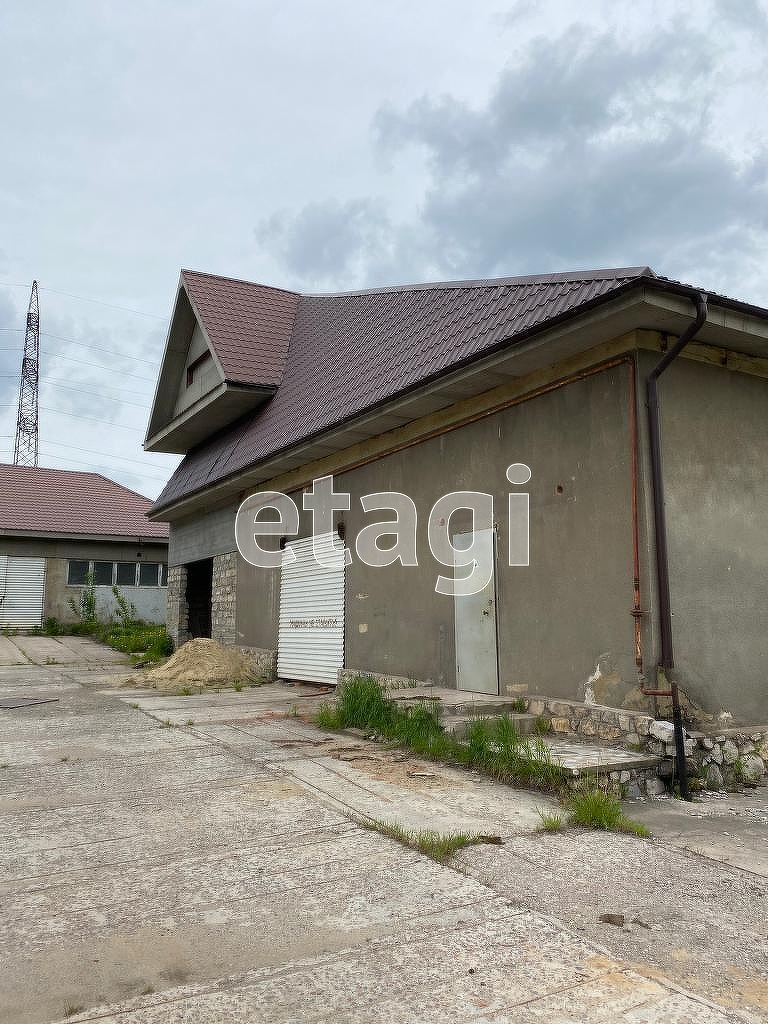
point(458, 725)
point(634, 771)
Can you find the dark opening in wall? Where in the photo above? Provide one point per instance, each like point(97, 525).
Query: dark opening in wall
point(199, 596)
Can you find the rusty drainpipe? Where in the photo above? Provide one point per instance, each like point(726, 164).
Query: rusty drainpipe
point(667, 660)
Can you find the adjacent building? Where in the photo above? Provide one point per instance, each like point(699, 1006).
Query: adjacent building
point(648, 548)
point(57, 527)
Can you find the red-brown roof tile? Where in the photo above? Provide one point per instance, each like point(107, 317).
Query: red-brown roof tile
point(249, 325)
point(65, 503)
point(353, 351)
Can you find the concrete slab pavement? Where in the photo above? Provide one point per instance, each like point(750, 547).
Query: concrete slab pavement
point(10, 653)
point(152, 871)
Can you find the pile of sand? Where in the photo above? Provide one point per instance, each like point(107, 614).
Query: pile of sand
point(197, 664)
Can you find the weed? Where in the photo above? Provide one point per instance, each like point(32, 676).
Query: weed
point(551, 822)
point(185, 691)
point(4, 765)
point(594, 808)
point(437, 845)
point(63, 760)
point(51, 627)
point(167, 724)
point(190, 721)
point(237, 686)
point(126, 611)
point(542, 725)
point(85, 607)
point(361, 704)
point(737, 774)
point(494, 746)
point(147, 990)
point(70, 1009)
point(293, 711)
point(133, 704)
point(519, 706)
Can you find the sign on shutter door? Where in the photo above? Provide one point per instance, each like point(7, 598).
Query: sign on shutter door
point(22, 590)
point(311, 634)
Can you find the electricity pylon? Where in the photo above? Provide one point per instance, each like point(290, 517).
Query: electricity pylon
point(25, 449)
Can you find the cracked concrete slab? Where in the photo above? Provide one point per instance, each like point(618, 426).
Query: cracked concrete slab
point(152, 871)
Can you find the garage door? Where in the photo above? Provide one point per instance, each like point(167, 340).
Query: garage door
point(310, 643)
point(22, 591)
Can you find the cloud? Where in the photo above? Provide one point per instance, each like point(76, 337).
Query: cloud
point(329, 240)
point(591, 150)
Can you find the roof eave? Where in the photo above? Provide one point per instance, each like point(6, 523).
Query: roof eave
point(641, 286)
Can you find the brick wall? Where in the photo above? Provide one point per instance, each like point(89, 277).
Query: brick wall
point(224, 599)
point(176, 601)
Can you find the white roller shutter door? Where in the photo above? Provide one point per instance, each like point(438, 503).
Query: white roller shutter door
point(22, 592)
point(310, 643)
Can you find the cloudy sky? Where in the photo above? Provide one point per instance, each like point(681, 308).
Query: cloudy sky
point(344, 144)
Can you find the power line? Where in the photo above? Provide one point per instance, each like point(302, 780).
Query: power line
point(82, 344)
point(118, 469)
point(106, 455)
point(84, 298)
point(79, 462)
point(109, 455)
point(84, 362)
point(100, 302)
point(77, 416)
point(84, 391)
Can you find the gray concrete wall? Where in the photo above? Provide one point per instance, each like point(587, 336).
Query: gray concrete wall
point(258, 604)
point(107, 551)
point(149, 602)
point(202, 536)
point(715, 452)
point(556, 617)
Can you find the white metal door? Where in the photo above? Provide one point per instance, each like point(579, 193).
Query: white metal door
point(310, 642)
point(22, 592)
point(475, 622)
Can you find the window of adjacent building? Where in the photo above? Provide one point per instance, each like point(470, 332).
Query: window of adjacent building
point(77, 573)
point(149, 574)
point(124, 574)
point(103, 573)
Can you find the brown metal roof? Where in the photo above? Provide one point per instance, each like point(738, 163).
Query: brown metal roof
point(65, 503)
point(249, 325)
point(351, 352)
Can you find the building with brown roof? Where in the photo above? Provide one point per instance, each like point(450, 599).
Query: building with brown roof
point(56, 527)
point(638, 403)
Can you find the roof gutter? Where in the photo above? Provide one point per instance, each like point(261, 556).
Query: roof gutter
point(667, 659)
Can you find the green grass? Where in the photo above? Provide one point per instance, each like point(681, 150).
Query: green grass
point(440, 846)
point(594, 808)
point(494, 746)
point(145, 641)
point(551, 822)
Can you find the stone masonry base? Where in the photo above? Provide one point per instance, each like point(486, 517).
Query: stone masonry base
point(726, 759)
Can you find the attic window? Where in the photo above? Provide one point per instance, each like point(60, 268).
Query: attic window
point(195, 366)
